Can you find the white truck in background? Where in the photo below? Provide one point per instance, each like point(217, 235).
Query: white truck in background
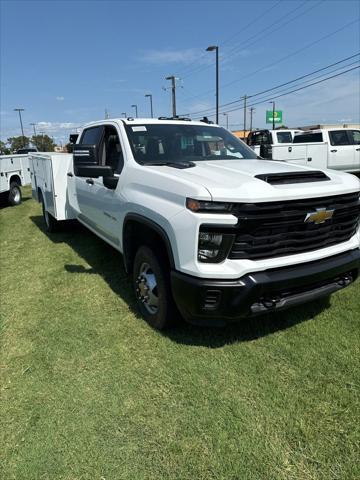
point(338, 149)
point(262, 141)
point(14, 173)
point(204, 226)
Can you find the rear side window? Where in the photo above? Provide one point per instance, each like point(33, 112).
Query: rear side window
point(355, 136)
point(308, 138)
point(260, 138)
point(91, 136)
point(339, 137)
point(284, 137)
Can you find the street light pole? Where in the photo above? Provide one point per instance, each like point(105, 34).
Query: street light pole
point(211, 49)
point(149, 95)
point(136, 110)
point(227, 120)
point(273, 112)
point(173, 93)
point(33, 124)
point(21, 124)
point(252, 109)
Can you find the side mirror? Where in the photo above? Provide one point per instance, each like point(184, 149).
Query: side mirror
point(93, 171)
point(85, 155)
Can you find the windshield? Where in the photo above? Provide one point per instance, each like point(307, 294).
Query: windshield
point(164, 143)
point(284, 137)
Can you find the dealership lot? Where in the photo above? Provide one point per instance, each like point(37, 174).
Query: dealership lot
point(89, 390)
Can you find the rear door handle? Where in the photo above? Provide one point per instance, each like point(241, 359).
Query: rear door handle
point(358, 149)
point(90, 181)
point(70, 174)
point(333, 151)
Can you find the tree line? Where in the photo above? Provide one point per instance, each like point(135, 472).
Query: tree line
point(43, 143)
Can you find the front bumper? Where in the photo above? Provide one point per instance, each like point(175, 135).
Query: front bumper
point(216, 302)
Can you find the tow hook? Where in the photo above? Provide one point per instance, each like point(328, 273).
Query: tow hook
point(270, 302)
point(345, 281)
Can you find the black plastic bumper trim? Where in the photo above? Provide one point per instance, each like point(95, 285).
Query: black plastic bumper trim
point(262, 292)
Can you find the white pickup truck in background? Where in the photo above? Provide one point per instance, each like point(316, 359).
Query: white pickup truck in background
point(338, 149)
point(262, 141)
point(14, 173)
point(204, 226)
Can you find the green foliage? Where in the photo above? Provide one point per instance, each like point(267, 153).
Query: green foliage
point(90, 392)
point(4, 150)
point(18, 142)
point(43, 143)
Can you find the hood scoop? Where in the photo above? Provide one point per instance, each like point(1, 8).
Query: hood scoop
point(284, 178)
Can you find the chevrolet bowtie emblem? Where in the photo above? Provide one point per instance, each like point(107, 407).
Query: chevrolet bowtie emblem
point(320, 216)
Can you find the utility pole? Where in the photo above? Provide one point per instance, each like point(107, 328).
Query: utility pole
point(42, 141)
point(227, 120)
point(22, 128)
point(136, 110)
point(252, 109)
point(211, 49)
point(33, 124)
point(273, 112)
point(173, 93)
point(245, 98)
point(149, 95)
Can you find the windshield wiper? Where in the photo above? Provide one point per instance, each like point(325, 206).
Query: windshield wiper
point(180, 165)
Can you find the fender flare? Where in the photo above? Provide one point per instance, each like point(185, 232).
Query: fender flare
point(153, 226)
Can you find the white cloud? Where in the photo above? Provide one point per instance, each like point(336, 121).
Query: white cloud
point(60, 99)
point(161, 57)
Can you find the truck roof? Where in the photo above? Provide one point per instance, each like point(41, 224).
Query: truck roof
point(158, 121)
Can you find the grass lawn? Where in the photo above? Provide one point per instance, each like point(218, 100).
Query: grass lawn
point(89, 391)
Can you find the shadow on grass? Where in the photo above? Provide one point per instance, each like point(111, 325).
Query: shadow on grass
point(4, 200)
point(108, 263)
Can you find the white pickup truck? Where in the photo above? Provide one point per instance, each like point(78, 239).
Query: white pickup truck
point(14, 173)
point(326, 148)
point(263, 141)
point(204, 226)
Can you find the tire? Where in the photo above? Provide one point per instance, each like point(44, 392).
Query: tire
point(152, 288)
point(51, 224)
point(14, 197)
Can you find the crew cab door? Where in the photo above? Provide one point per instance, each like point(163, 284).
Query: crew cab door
point(98, 201)
point(341, 150)
point(355, 137)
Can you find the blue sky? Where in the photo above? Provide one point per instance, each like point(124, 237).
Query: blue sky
point(64, 62)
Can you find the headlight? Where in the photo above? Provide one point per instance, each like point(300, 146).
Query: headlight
point(214, 247)
point(201, 206)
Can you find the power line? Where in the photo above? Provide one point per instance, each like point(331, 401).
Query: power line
point(287, 83)
point(295, 90)
point(334, 32)
point(189, 67)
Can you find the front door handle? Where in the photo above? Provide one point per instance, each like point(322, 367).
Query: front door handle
point(358, 149)
point(333, 151)
point(90, 181)
point(70, 174)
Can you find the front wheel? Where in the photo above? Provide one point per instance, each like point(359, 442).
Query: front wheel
point(14, 197)
point(152, 288)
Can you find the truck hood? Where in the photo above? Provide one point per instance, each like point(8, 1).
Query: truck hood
point(231, 180)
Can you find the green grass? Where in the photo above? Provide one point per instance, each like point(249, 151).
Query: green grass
point(89, 391)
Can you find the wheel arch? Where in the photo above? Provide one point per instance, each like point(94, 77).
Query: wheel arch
point(15, 178)
point(137, 228)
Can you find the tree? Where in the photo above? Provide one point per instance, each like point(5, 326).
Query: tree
point(43, 143)
point(3, 149)
point(18, 142)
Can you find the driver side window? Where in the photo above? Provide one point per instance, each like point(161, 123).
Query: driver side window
point(111, 153)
